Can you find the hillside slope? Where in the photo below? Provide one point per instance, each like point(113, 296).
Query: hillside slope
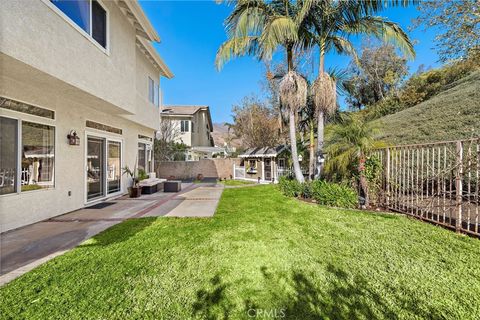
point(452, 114)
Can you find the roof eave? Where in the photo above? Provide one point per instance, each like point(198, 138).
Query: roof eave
point(165, 71)
point(141, 18)
point(176, 115)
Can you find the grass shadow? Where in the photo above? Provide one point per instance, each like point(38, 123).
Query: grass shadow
point(296, 295)
point(212, 303)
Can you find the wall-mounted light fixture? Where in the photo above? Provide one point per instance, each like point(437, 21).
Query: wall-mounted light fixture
point(73, 138)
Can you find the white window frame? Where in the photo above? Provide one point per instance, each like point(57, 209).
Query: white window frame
point(148, 154)
point(182, 127)
point(151, 90)
point(20, 120)
point(91, 132)
point(279, 160)
point(87, 35)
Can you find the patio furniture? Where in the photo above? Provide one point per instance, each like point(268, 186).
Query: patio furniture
point(151, 185)
point(172, 186)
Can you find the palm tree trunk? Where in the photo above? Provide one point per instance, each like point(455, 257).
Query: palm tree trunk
point(293, 144)
point(320, 122)
point(311, 164)
point(293, 136)
point(320, 141)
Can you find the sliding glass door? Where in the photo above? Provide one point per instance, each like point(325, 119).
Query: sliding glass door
point(104, 167)
point(95, 168)
point(114, 166)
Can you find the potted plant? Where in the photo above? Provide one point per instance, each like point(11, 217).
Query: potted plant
point(142, 175)
point(135, 190)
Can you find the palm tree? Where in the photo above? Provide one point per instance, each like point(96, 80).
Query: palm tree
point(333, 22)
point(307, 125)
point(350, 140)
point(258, 28)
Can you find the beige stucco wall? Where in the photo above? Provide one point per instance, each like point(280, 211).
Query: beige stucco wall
point(200, 136)
point(27, 207)
point(212, 168)
point(185, 137)
point(33, 33)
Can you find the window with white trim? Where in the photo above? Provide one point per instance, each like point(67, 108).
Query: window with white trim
point(89, 15)
point(184, 126)
point(37, 153)
point(8, 155)
point(151, 90)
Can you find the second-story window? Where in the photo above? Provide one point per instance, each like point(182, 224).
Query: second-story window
point(151, 90)
point(89, 15)
point(184, 125)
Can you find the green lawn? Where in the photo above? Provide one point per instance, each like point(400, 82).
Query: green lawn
point(264, 252)
point(235, 183)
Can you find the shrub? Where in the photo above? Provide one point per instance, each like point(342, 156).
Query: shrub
point(333, 194)
point(326, 193)
point(290, 187)
point(307, 190)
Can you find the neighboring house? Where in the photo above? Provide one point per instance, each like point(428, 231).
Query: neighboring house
point(194, 128)
point(79, 100)
point(263, 164)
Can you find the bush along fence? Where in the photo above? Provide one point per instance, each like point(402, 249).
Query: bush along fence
point(437, 182)
point(322, 192)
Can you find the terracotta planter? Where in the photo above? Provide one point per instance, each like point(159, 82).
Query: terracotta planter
point(134, 192)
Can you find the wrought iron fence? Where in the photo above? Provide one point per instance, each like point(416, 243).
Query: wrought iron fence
point(437, 182)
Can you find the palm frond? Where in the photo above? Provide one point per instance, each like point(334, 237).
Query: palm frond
point(306, 6)
point(236, 47)
point(278, 31)
point(344, 46)
point(382, 29)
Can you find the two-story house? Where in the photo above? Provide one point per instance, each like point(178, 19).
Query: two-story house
point(79, 100)
point(194, 127)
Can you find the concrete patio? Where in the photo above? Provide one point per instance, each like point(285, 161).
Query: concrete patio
point(25, 248)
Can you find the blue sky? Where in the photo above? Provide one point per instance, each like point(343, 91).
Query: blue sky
point(192, 31)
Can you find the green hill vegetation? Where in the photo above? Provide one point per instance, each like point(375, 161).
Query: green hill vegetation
point(449, 115)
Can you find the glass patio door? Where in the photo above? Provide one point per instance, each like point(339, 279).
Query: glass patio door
point(95, 168)
point(114, 162)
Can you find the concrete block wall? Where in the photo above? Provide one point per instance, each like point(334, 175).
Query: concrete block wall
point(209, 168)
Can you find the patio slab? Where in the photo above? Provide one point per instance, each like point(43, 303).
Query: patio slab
point(194, 208)
point(119, 210)
point(26, 248)
point(23, 246)
point(213, 193)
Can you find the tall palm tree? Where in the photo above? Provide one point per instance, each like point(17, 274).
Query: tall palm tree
point(307, 125)
point(350, 140)
point(333, 22)
point(258, 28)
